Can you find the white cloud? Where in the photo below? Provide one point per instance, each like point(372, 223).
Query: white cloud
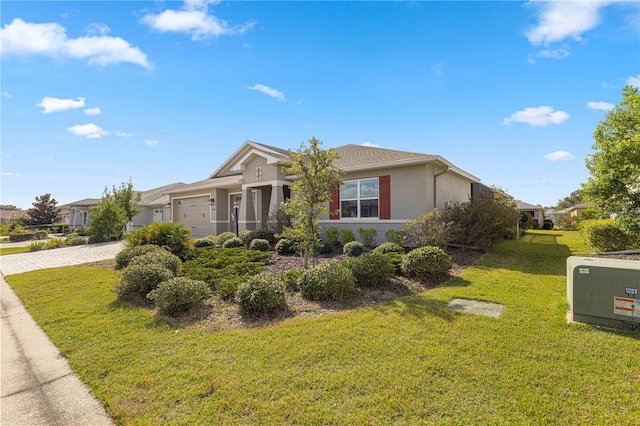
point(49, 104)
point(559, 20)
point(123, 134)
point(50, 39)
point(268, 91)
point(98, 29)
point(606, 85)
point(151, 142)
point(9, 174)
point(6, 95)
point(634, 80)
point(90, 131)
point(559, 53)
point(371, 144)
point(537, 116)
point(559, 156)
point(92, 111)
point(600, 106)
point(193, 18)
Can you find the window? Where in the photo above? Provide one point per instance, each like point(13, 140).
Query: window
point(259, 173)
point(359, 198)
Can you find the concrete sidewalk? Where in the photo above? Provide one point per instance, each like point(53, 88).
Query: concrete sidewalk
point(37, 385)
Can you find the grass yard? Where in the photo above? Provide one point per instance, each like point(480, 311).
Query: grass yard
point(410, 361)
point(13, 250)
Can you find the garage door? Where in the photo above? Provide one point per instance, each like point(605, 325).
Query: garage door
point(193, 212)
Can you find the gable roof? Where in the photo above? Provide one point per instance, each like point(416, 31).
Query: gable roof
point(248, 150)
point(579, 206)
point(521, 205)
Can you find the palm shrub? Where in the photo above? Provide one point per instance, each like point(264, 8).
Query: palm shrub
point(429, 229)
point(172, 235)
point(354, 248)
point(261, 294)
point(57, 243)
point(371, 269)
point(368, 236)
point(346, 236)
point(179, 295)
point(37, 246)
point(330, 280)
point(136, 281)
point(162, 258)
point(604, 235)
point(234, 242)
point(259, 244)
point(426, 264)
point(124, 257)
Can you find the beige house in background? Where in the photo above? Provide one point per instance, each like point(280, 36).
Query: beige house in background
point(575, 211)
point(383, 188)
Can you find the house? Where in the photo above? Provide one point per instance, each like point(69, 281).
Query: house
point(577, 210)
point(8, 216)
point(76, 214)
point(383, 188)
point(535, 211)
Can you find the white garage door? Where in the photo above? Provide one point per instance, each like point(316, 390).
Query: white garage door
point(193, 212)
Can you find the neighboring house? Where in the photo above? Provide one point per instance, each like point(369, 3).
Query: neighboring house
point(578, 209)
point(535, 211)
point(383, 188)
point(155, 206)
point(8, 216)
point(76, 214)
point(558, 214)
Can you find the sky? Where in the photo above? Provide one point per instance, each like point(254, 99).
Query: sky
point(96, 93)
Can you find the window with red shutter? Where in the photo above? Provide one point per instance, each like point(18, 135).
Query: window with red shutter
point(385, 197)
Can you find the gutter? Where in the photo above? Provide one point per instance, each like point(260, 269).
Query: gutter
point(435, 185)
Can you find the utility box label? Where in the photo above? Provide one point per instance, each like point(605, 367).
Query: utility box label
point(583, 270)
point(626, 306)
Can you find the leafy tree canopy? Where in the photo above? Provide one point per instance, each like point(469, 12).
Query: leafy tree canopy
point(614, 185)
point(316, 177)
point(127, 199)
point(8, 207)
point(114, 211)
point(44, 211)
point(570, 200)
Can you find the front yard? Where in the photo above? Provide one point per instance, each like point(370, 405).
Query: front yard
point(405, 361)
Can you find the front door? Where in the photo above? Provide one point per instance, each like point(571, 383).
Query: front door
point(157, 215)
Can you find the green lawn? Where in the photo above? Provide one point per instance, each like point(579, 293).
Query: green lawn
point(12, 250)
point(411, 361)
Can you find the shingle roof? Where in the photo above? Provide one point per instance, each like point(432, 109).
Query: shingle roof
point(352, 155)
point(284, 152)
point(580, 206)
point(209, 184)
point(521, 205)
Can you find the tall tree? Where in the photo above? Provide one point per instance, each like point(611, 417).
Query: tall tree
point(44, 210)
point(614, 185)
point(570, 200)
point(316, 177)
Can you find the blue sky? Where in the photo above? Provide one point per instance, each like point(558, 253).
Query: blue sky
point(95, 93)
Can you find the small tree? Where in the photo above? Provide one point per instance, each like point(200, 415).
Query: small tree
point(614, 185)
point(127, 199)
point(107, 220)
point(316, 177)
point(44, 211)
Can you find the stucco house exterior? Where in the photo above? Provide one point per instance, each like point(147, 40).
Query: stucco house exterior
point(535, 211)
point(578, 209)
point(383, 188)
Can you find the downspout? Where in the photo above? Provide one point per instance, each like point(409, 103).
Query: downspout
point(435, 185)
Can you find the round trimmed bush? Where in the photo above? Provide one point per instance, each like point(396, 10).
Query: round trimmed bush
point(138, 280)
point(331, 280)
point(389, 248)
point(75, 240)
point(124, 257)
point(353, 248)
point(266, 234)
point(179, 295)
point(286, 246)
point(371, 269)
point(261, 294)
point(426, 264)
point(259, 244)
point(209, 241)
point(162, 258)
point(224, 237)
point(247, 235)
point(234, 242)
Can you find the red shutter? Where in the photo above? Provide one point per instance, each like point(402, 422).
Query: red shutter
point(385, 197)
point(334, 204)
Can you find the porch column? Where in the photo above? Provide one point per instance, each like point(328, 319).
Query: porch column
point(247, 214)
point(277, 198)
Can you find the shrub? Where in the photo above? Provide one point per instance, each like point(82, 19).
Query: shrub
point(224, 237)
point(226, 288)
point(265, 234)
point(247, 235)
point(331, 280)
point(208, 241)
point(138, 280)
point(179, 295)
point(332, 236)
point(172, 235)
point(162, 258)
point(368, 236)
point(124, 257)
point(234, 242)
point(353, 248)
point(429, 229)
point(547, 224)
point(426, 264)
point(346, 236)
point(389, 248)
point(605, 235)
point(395, 259)
point(56, 243)
point(37, 246)
point(395, 236)
point(75, 240)
point(286, 246)
point(371, 269)
point(292, 279)
point(261, 294)
point(259, 244)
point(482, 221)
point(323, 247)
point(42, 235)
point(15, 237)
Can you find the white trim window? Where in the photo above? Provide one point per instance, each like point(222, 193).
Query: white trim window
point(360, 198)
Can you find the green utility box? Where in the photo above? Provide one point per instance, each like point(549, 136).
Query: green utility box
point(604, 292)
